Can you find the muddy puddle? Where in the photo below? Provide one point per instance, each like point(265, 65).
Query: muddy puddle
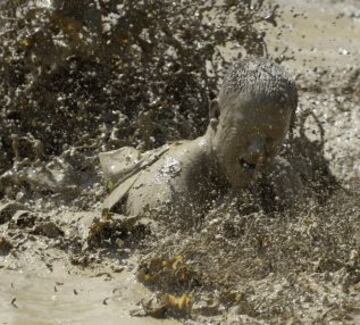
point(40, 284)
point(40, 298)
point(317, 34)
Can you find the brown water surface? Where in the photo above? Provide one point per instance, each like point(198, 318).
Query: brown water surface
point(61, 298)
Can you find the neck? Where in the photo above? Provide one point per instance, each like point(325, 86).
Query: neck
point(206, 142)
point(216, 175)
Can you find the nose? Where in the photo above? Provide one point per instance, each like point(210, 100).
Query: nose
point(257, 152)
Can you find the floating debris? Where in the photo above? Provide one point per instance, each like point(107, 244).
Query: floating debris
point(167, 273)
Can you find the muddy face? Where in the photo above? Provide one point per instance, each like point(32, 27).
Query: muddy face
point(247, 138)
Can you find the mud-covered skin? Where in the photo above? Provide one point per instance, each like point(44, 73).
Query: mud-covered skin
point(180, 180)
point(250, 118)
point(248, 123)
point(191, 184)
point(247, 138)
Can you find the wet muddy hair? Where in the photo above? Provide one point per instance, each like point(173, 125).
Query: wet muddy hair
point(260, 81)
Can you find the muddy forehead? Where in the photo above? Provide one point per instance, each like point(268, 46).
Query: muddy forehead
point(271, 109)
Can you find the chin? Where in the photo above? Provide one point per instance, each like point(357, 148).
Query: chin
point(243, 183)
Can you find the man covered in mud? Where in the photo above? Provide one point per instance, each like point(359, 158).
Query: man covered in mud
point(248, 123)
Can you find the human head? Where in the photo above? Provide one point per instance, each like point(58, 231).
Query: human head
point(250, 118)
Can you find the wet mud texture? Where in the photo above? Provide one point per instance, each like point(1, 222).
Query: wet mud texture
point(247, 261)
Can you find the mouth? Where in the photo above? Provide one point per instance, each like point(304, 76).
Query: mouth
point(246, 165)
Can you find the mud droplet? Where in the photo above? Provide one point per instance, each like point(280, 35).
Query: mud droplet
point(171, 167)
point(13, 302)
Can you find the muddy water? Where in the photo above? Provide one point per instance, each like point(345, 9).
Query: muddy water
point(324, 35)
point(61, 298)
point(321, 33)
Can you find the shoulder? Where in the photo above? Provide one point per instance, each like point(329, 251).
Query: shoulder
point(121, 163)
point(117, 163)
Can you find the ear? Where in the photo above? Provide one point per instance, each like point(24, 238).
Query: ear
point(214, 113)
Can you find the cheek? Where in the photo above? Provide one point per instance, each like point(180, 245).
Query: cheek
point(229, 152)
point(275, 148)
point(229, 159)
point(229, 142)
